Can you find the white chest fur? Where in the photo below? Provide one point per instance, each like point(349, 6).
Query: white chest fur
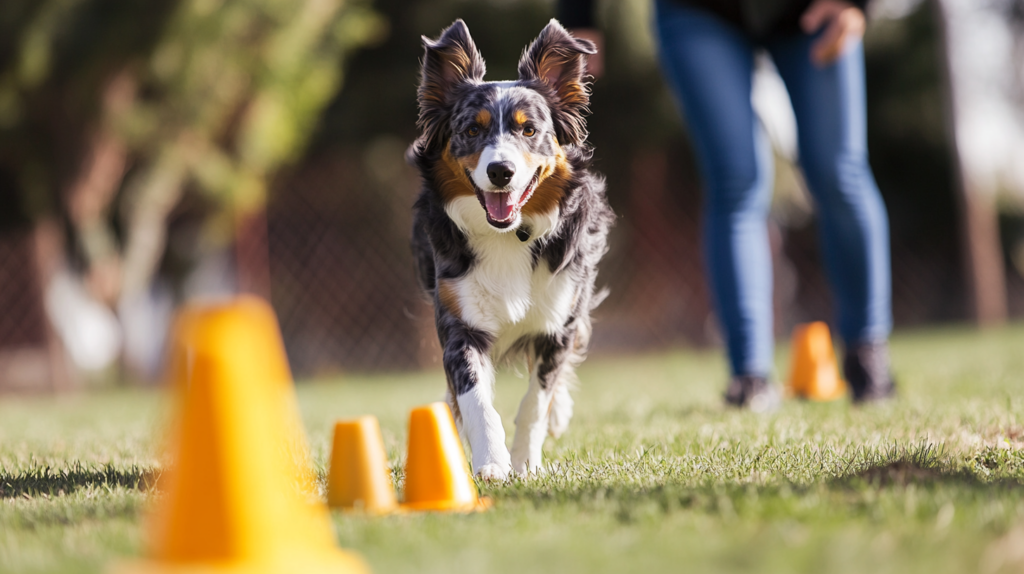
point(504, 293)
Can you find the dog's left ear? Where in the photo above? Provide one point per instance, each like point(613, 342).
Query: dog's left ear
point(556, 60)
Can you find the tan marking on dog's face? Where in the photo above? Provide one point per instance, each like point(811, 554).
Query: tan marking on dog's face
point(483, 118)
point(554, 176)
point(520, 117)
point(469, 162)
point(451, 178)
point(448, 297)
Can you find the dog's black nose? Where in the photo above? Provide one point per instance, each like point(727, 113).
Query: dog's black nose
point(500, 173)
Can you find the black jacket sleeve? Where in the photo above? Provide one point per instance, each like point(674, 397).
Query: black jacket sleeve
point(576, 13)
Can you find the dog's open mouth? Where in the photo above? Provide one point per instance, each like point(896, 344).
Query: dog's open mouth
point(503, 207)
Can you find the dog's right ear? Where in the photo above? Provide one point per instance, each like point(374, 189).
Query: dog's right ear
point(448, 63)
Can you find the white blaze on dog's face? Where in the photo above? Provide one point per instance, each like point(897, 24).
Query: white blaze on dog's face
point(504, 139)
point(504, 142)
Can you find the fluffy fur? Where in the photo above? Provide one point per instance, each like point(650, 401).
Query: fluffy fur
point(508, 230)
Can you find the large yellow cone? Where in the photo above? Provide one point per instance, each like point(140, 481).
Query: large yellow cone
point(359, 478)
point(437, 476)
point(268, 346)
point(234, 499)
point(814, 372)
point(258, 315)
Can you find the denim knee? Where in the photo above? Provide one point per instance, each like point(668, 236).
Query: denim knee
point(738, 187)
point(842, 178)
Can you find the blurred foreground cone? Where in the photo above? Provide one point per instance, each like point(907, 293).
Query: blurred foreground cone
point(359, 478)
point(234, 499)
point(437, 476)
point(266, 347)
point(814, 373)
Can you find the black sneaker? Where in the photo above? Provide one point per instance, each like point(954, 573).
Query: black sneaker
point(866, 368)
point(752, 392)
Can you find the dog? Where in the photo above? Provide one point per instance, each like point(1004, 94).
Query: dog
point(508, 230)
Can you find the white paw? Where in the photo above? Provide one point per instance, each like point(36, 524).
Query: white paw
point(560, 412)
point(526, 469)
point(492, 472)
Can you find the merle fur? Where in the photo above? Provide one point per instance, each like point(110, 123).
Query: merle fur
point(574, 247)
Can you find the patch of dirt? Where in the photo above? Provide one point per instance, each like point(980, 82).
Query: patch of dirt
point(900, 473)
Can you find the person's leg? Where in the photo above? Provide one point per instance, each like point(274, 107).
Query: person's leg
point(829, 104)
point(708, 64)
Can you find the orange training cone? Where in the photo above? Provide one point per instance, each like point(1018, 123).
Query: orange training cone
point(814, 372)
point(437, 475)
point(269, 347)
point(359, 477)
point(233, 500)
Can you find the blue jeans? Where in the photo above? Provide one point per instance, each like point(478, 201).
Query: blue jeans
point(709, 65)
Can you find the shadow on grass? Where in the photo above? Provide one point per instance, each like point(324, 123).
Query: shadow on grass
point(57, 482)
point(927, 465)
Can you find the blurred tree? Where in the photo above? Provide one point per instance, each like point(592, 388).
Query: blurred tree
point(111, 109)
point(977, 69)
point(913, 159)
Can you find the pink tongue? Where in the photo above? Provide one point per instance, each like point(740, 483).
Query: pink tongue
point(499, 205)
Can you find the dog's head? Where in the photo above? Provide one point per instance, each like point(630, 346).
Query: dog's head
point(503, 141)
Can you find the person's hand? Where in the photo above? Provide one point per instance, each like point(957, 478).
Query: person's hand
point(844, 21)
point(595, 62)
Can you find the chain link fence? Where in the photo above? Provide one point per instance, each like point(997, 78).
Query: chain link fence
point(31, 356)
point(333, 255)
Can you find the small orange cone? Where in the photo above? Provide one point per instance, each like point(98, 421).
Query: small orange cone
point(437, 476)
point(814, 372)
point(359, 478)
point(234, 499)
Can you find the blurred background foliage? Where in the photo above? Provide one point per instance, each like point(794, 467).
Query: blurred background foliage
point(110, 110)
point(183, 148)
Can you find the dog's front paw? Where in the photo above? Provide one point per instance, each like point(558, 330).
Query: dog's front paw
point(493, 472)
point(526, 469)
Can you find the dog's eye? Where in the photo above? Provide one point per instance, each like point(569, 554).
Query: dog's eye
point(473, 131)
point(529, 131)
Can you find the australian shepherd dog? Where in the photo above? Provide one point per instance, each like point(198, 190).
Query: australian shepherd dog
point(508, 230)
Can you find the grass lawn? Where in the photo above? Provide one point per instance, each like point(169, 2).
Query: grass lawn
point(654, 474)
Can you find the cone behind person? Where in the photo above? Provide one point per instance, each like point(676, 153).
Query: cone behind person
point(234, 500)
point(437, 476)
point(359, 478)
point(814, 372)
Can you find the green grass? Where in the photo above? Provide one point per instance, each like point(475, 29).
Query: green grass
point(654, 474)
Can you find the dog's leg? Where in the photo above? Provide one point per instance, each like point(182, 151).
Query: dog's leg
point(560, 412)
point(549, 372)
point(531, 427)
point(481, 424)
point(471, 383)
